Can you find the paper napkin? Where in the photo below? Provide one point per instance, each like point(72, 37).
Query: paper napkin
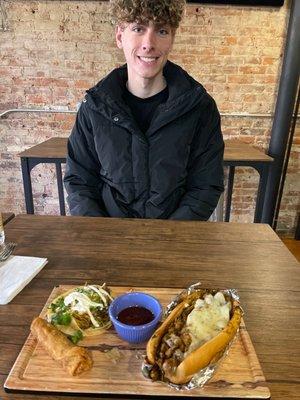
point(15, 273)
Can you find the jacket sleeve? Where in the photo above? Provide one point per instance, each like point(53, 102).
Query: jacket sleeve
point(82, 178)
point(205, 169)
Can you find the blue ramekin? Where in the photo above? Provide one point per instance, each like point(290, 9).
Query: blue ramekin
point(135, 333)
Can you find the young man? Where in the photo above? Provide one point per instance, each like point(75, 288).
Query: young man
point(147, 141)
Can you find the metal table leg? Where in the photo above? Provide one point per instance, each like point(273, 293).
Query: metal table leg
point(297, 233)
point(263, 170)
point(60, 189)
point(229, 192)
point(27, 185)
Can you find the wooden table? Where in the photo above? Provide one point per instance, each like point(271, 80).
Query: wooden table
point(6, 217)
point(236, 154)
point(248, 257)
point(240, 154)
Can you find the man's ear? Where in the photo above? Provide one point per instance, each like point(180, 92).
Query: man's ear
point(119, 33)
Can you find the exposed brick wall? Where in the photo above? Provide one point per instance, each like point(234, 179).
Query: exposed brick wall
point(54, 50)
point(290, 205)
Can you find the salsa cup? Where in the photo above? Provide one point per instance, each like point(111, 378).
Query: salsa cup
point(135, 333)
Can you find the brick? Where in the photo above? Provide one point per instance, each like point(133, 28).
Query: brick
point(230, 40)
point(252, 69)
point(269, 60)
point(240, 79)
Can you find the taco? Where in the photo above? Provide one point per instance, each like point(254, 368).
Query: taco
point(81, 312)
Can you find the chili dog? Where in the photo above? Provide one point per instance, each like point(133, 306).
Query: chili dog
point(194, 335)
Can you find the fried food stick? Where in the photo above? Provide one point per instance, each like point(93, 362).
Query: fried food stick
point(74, 359)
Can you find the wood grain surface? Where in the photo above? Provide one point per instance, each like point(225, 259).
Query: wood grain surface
point(153, 253)
point(238, 374)
point(235, 150)
point(6, 217)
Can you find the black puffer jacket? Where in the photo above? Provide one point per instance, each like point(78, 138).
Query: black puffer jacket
point(174, 171)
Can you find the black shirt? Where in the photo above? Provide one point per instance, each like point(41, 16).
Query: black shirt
point(144, 109)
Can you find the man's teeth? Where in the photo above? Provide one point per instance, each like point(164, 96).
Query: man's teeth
point(148, 59)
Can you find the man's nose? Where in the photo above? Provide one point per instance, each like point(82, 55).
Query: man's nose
point(148, 41)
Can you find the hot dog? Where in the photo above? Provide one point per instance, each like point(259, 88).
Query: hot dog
point(194, 335)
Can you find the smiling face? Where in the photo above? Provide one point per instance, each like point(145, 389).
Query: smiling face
point(146, 48)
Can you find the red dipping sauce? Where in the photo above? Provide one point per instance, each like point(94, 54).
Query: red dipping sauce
point(135, 315)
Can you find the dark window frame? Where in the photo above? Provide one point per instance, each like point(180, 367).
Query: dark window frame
point(271, 3)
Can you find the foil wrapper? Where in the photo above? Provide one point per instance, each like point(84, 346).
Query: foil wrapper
point(206, 373)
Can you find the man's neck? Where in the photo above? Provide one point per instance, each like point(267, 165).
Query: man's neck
point(145, 88)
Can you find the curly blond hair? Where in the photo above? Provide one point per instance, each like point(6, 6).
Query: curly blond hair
point(157, 11)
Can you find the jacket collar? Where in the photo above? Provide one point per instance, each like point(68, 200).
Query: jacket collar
point(107, 96)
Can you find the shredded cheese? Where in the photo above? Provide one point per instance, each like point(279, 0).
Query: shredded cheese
point(81, 302)
point(207, 319)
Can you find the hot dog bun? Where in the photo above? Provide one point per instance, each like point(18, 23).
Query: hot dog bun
point(200, 357)
point(155, 339)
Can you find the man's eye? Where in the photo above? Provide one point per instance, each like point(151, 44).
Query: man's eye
point(163, 32)
point(137, 29)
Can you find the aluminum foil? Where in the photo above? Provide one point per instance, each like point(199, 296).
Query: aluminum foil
point(205, 374)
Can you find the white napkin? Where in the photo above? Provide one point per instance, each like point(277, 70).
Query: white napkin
point(15, 273)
